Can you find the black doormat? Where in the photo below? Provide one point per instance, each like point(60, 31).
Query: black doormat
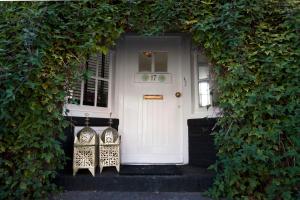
point(150, 170)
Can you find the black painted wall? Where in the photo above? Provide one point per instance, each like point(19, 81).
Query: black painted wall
point(202, 151)
point(67, 144)
point(201, 146)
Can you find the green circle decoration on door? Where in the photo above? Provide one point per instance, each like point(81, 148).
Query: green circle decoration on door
point(145, 77)
point(161, 78)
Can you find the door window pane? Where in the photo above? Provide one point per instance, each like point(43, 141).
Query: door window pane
point(161, 61)
point(145, 61)
point(102, 94)
point(89, 92)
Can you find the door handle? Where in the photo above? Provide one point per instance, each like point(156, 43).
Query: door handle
point(178, 94)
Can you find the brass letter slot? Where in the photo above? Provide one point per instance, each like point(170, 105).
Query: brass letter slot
point(153, 97)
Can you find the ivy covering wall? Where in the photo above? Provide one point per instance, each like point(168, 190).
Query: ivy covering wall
point(253, 46)
point(41, 48)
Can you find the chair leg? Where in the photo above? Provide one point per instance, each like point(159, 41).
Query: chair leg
point(118, 168)
point(92, 170)
point(75, 170)
point(101, 168)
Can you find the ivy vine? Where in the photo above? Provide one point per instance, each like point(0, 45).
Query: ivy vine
point(254, 48)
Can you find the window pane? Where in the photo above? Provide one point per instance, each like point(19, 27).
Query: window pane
point(89, 92)
point(102, 95)
point(204, 94)
point(99, 67)
point(203, 72)
point(201, 59)
point(161, 61)
point(145, 60)
point(92, 64)
point(103, 70)
point(74, 93)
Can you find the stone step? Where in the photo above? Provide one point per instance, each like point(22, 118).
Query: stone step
point(192, 179)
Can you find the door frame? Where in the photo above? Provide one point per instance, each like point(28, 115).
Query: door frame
point(184, 81)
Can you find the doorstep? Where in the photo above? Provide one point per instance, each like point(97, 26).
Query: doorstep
point(191, 179)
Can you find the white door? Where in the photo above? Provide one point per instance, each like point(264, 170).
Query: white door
point(152, 117)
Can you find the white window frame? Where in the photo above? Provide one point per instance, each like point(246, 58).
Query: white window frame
point(197, 110)
point(94, 111)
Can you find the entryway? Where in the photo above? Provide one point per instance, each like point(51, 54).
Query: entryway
point(149, 78)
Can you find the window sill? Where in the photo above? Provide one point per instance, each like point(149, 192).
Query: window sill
point(203, 112)
point(81, 111)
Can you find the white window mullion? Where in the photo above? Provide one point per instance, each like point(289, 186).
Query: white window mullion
point(81, 93)
point(103, 79)
point(96, 82)
point(152, 63)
